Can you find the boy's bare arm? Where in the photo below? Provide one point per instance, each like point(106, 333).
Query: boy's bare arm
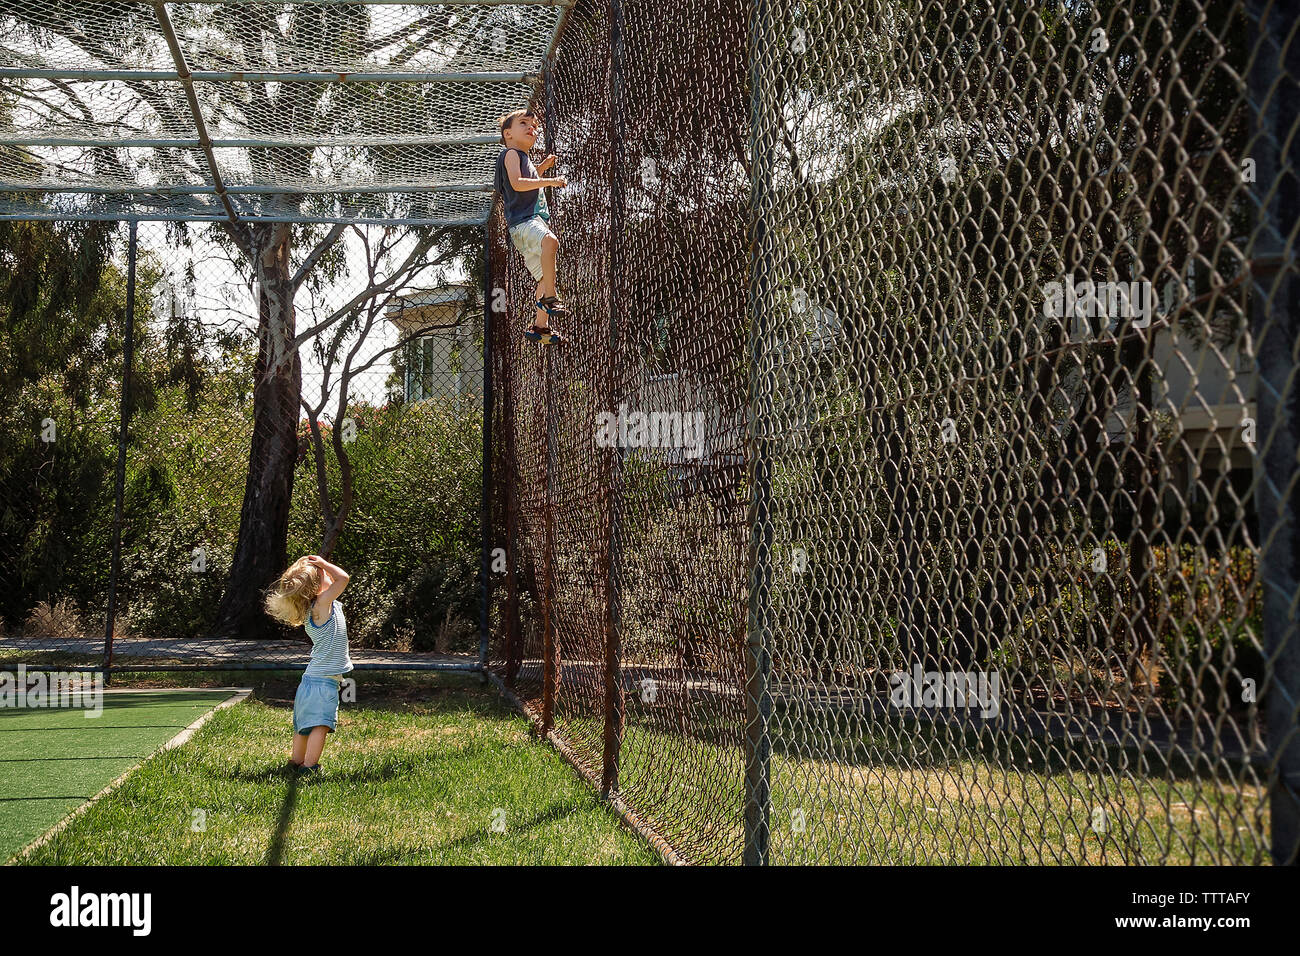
point(524, 183)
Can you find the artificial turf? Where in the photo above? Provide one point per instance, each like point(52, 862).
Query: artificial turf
point(52, 760)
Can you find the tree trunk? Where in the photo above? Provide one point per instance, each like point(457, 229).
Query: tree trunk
point(260, 554)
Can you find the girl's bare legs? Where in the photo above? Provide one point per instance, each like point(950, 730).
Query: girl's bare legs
point(299, 749)
point(315, 744)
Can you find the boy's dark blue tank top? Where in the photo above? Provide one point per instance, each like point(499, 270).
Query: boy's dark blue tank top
point(520, 205)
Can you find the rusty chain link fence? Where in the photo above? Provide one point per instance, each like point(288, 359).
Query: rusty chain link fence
point(919, 482)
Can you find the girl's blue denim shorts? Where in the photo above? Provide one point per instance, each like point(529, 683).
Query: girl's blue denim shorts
point(316, 704)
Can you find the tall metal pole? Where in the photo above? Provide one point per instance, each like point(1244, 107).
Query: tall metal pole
point(510, 499)
point(504, 394)
point(1275, 328)
point(486, 514)
point(615, 712)
point(128, 361)
point(758, 661)
point(550, 652)
point(550, 648)
point(548, 127)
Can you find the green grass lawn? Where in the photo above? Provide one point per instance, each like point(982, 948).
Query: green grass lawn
point(434, 768)
point(425, 768)
point(908, 792)
point(54, 760)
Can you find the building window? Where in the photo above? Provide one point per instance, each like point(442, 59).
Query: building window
point(419, 369)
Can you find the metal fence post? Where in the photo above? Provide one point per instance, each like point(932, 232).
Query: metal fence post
point(510, 502)
point(1275, 320)
point(613, 678)
point(487, 492)
point(128, 360)
point(758, 660)
point(550, 653)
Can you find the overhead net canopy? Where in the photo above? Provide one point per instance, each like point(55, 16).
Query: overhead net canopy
point(332, 110)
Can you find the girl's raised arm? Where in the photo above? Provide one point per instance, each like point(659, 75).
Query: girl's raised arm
point(338, 579)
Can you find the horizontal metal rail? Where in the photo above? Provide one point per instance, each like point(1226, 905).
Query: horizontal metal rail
point(404, 3)
point(124, 666)
point(12, 139)
point(64, 216)
point(227, 76)
point(254, 190)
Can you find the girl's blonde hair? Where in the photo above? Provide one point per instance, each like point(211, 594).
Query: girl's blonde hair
point(289, 600)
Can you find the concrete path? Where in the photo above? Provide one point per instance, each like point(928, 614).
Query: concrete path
point(228, 653)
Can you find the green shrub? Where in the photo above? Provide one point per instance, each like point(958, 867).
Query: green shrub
point(411, 541)
point(56, 505)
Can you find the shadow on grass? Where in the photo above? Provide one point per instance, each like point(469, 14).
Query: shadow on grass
point(44, 760)
point(903, 741)
point(551, 814)
point(275, 851)
point(388, 769)
point(29, 730)
point(888, 737)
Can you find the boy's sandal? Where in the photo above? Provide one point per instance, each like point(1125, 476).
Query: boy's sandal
point(544, 336)
point(553, 307)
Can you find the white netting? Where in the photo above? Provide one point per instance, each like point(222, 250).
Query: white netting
point(297, 100)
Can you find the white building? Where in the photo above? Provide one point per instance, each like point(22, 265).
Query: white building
point(444, 356)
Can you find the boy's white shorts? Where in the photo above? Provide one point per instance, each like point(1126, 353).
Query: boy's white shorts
point(528, 237)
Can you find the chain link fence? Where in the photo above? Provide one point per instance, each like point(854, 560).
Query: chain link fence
point(919, 483)
point(132, 444)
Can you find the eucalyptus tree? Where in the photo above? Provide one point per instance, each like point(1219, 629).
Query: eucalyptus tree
point(295, 152)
